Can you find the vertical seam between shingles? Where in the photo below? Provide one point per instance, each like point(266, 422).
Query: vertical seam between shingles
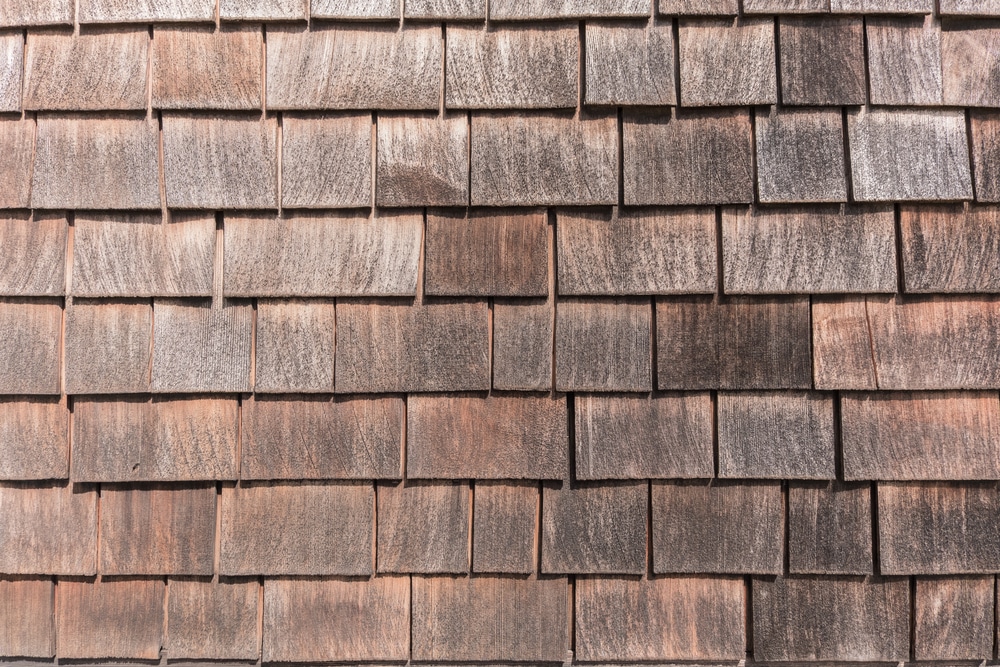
point(876, 563)
point(149, 73)
point(748, 616)
point(971, 148)
point(217, 546)
point(871, 343)
point(263, 78)
point(161, 159)
point(913, 616)
point(260, 620)
point(444, 68)
point(165, 628)
point(777, 61)
point(279, 149)
point(581, 67)
point(676, 29)
point(472, 527)
point(553, 290)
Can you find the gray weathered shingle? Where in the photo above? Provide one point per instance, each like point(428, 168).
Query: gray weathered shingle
point(800, 156)
point(629, 64)
point(326, 162)
point(11, 66)
point(725, 63)
point(904, 61)
point(33, 259)
point(970, 60)
point(822, 60)
point(422, 160)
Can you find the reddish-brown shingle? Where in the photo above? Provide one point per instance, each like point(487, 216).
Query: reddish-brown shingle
point(27, 618)
point(29, 346)
point(34, 438)
point(504, 527)
point(603, 345)
point(109, 619)
point(48, 529)
point(423, 527)
point(33, 262)
point(212, 621)
point(953, 618)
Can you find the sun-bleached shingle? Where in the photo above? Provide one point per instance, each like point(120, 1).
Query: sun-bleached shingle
point(970, 60)
point(629, 64)
point(16, 160)
point(48, 529)
point(422, 160)
point(326, 162)
point(354, 9)
point(30, 332)
point(263, 10)
point(515, 10)
point(22, 13)
point(727, 64)
point(11, 66)
point(34, 437)
point(904, 61)
point(107, 347)
point(145, 11)
point(32, 254)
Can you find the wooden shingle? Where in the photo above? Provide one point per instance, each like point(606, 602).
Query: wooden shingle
point(504, 527)
point(29, 12)
point(48, 529)
point(110, 619)
point(985, 143)
point(11, 67)
point(29, 346)
point(444, 9)
point(423, 527)
point(830, 528)
point(970, 8)
point(294, 346)
point(18, 139)
point(800, 156)
point(263, 10)
point(212, 621)
point(32, 262)
point(699, 7)
point(422, 160)
point(354, 9)
point(882, 6)
point(842, 353)
point(157, 530)
point(319, 438)
point(953, 619)
point(603, 345)
point(492, 437)
point(93, 71)
point(725, 63)
point(594, 528)
point(145, 11)
point(107, 347)
point(822, 60)
point(490, 619)
point(27, 618)
point(785, 6)
point(508, 10)
point(904, 61)
point(34, 438)
point(522, 344)
point(326, 162)
point(950, 248)
point(662, 618)
point(636, 437)
point(971, 65)
point(629, 64)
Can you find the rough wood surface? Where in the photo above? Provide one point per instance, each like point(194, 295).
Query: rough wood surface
point(93, 71)
point(504, 521)
point(822, 60)
point(294, 346)
point(909, 154)
point(34, 438)
point(543, 159)
point(157, 530)
point(648, 251)
point(594, 528)
point(372, 67)
point(492, 437)
point(699, 7)
point(86, 163)
point(200, 347)
point(904, 61)
point(48, 529)
point(629, 64)
point(327, 161)
point(776, 435)
point(664, 618)
point(11, 67)
point(809, 250)
point(971, 65)
point(800, 156)
point(422, 160)
point(354, 9)
point(220, 162)
point(444, 9)
point(829, 528)
point(297, 529)
point(490, 619)
point(197, 68)
point(323, 254)
point(501, 10)
point(423, 527)
point(690, 157)
point(882, 6)
point(970, 8)
point(785, 6)
point(985, 146)
point(131, 439)
point(950, 249)
point(954, 619)
point(33, 259)
point(109, 619)
point(107, 347)
point(723, 63)
point(805, 618)
point(522, 345)
point(145, 11)
point(212, 621)
point(330, 620)
point(534, 67)
point(721, 527)
point(29, 346)
point(404, 348)
point(486, 252)
point(27, 618)
point(842, 353)
point(263, 10)
point(636, 437)
point(319, 438)
point(603, 345)
point(16, 162)
point(938, 528)
point(29, 12)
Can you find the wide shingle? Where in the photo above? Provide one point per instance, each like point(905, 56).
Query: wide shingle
point(904, 61)
point(444, 9)
point(424, 527)
point(48, 529)
point(603, 345)
point(263, 10)
point(422, 160)
point(30, 333)
point(145, 11)
point(504, 527)
point(629, 64)
point(800, 156)
point(699, 7)
point(970, 8)
point(522, 344)
point(327, 161)
point(33, 259)
point(785, 6)
point(294, 346)
point(18, 140)
point(120, 619)
point(822, 60)
point(830, 528)
point(970, 60)
point(985, 146)
point(725, 63)
point(27, 618)
point(212, 620)
point(502, 10)
point(29, 12)
point(354, 9)
point(953, 618)
point(107, 347)
point(950, 248)
point(882, 6)
point(11, 67)
point(34, 437)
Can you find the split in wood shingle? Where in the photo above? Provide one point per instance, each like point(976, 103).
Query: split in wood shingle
point(326, 161)
point(294, 346)
point(953, 618)
point(603, 345)
point(48, 529)
point(504, 527)
point(830, 528)
point(34, 438)
point(11, 67)
point(120, 618)
point(629, 64)
point(842, 355)
point(107, 347)
point(27, 618)
point(423, 527)
point(212, 620)
point(725, 63)
point(422, 160)
point(32, 263)
point(800, 156)
point(30, 333)
point(822, 60)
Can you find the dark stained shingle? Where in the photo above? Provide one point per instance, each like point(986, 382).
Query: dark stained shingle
point(422, 160)
point(30, 333)
point(904, 61)
point(27, 618)
point(603, 345)
point(107, 347)
point(32, 262)
point(423, 527)
point(34, 437)
point(48, 529)
point(212, 620)
point(726, 63)
point(326, 161)
point(800, 156)
point(950, 248)
point(504, 527)
point(294, 346)
point(829, 528)
point(109, 619)
point(629, 64)
point(822, 60)
point(522, 344)
point(953, 618)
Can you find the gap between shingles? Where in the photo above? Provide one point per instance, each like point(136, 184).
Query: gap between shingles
point(553, 288)
point(472, 524)
point(871, 343)
point(149, 75)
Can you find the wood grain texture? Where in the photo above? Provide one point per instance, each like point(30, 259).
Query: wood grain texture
point(29, 346)
point(136, 255)
point(444, 9)
point(970, 8)
point(354, 9)
point(830, 528)
point(806, 618)
point(723, 63)
point(543, 159)
point(219, 162)
point(212, 621)
point(663, 618)
point(423, 527)
point(326, 161)
point(904, 61)
point(938, 528)
point(34, 437)
point(594, 528)
point(48, 529)
point(809, 250)
point(486, 253)
point(646, 251)
point(294, 346)
point(422, 160)
point(492, 437)
point(297, 529)
point(402, 348)
point(504, 521)
point(954, 618)
point(882, 6)
point(310, 620)
point(603, 345)
point(909, 155)
point(162, 529)
point(27, 618)
point(371, 67)
point(33, 259)
point(699, 7)
point(971, 65)
point(200, 347)
point(196, 68)
point(822, 60)
point(319, 438)
point(263, 10)
point(535, 67)
point(96, 164)
point(635, 437)
point(137, 439)
point(932, 435)
point(785, 6)
point(629, 64)
point(842, 353)
point(502, 10)
point(109, 619)
point(950, 249)
point(522, 345)
point(107, 347)
point(985, 146)
point(800, 156)
point(719, 527)
point(93, 71)
point(776, 435)
point(16, 162)
point(11, 67)
point(490, 618)
point(145, 11)
point(688, 158)
point(323, 254)
point(28, 12)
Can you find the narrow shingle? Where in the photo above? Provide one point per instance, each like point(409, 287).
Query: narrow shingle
point(985, 145)
point(27, 618)
point(504, 526)
point(11, 67)
point(16, 162)
point(830, 528)
point(522, 344)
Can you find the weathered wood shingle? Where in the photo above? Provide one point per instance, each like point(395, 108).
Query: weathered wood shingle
point(800, 156)
point(263, 10)
point(953, 618)
point(326, 162)
point(212, 620)
point(822, 60)
point(27, 12)
point(502, 10)
point(904, 61)
point(423, 527)
point(107, 347)
point(145, 11)
point(30, 333)
point(354, 9)
point(726, 63)
point(971, 66)
point(48, 529)
point(422, 160)
point(34, 436)
point(294, 346)
point(444, 9)
point(629, 64)
point(27, 618)
point(950, 248)
point(603, 345)
point(504, 531)
point(33, 259)
point(18, 139)
point(11, 68)
point(522, 344)
point(830, 528)
point(985, 146)
point(842, 353)
point(120, 619)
